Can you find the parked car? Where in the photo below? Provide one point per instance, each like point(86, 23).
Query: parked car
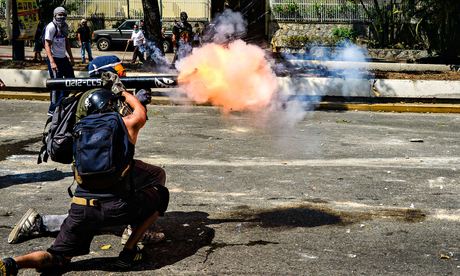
point(108, 38)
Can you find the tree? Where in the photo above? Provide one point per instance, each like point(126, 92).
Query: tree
point(439, 21)
point(431, 23)
point(152, 22)
point(385, 17)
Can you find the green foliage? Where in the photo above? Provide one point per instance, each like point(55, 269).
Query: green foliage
point(292, 7)
point(296, 41)
point(2, 35)
point(286, 9)
point(439, 22)
point(343, 33)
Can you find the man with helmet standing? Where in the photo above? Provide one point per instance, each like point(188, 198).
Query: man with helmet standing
point(56, 46)
point(138, 198)
point(182, 35)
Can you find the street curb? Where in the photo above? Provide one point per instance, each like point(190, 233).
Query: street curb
point(325, 106)
point(391, 107)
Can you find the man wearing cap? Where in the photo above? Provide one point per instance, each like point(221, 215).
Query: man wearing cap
point(56, 46)
point(84, 36)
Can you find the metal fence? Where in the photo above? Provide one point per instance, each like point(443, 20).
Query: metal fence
point(119, 9)
point(320, 10)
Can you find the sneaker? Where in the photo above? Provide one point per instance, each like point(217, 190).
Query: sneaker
point(150, 236)
point(27, 226)
point(129, 258)
point(8, 266)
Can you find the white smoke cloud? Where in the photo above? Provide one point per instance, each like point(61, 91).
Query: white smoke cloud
point(226, 27)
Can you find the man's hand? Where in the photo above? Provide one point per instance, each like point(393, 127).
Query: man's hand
point(144, 97)
point(112, 82)
point(53, 65)
point(2, 85)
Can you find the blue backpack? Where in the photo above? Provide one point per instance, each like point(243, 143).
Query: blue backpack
point(102, 151)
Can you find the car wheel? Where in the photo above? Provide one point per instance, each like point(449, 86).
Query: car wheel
point(166, 46)
point(103, 44)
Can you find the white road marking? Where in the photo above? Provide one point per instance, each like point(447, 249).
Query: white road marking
point(440, 162)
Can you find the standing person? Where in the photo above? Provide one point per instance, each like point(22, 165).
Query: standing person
point(182, 35)
point(56, 46)
point(139, 198)
point(137, 37)
point(84, 36)
point(196, 42)
point(38, 44)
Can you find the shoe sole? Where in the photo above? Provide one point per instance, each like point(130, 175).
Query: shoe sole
point(13, 236)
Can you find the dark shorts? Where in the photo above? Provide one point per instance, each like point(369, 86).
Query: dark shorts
point(84, 222)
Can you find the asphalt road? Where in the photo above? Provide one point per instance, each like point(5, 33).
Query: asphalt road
point(338, 193)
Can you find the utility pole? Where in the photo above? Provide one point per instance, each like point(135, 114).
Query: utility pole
point(127, 2)
point(18, 45)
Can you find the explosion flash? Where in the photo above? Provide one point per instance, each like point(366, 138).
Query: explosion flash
point(236, 77)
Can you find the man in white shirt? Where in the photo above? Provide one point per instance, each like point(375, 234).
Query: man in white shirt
point(137, 37)
point(56, 46)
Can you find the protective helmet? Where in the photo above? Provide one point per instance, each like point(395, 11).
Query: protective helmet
point(101, 100)
point(183, 16)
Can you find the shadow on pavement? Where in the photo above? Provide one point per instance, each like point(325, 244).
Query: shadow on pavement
point(17, 148)
point(187, 232)
point(23, 178)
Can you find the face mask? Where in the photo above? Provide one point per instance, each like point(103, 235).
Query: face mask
point(60, 18)
point(136, 31)
point(183, 18)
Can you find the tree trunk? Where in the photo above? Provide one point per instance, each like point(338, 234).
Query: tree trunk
point(152, 22)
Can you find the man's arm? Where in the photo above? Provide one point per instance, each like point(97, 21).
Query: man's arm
point(135, 121)
point(48, 42)
point(69, 50)
point(79, 38)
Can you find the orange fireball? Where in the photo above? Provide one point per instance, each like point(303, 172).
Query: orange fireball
point(237, 77)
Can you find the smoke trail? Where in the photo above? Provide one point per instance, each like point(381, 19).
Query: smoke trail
point(154, 53)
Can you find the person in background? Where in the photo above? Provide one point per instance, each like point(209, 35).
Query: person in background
point(38, 44)
point(84, 37)
point(196, 41)
point(182, 35)
point(56, 46)
point(137, 37)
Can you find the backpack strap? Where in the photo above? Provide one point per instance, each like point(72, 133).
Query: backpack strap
point(43, 148)
point(69, 189)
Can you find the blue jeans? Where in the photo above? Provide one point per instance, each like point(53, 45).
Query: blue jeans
point(64, 70)
point(86, 46)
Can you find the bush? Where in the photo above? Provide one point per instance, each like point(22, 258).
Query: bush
point(2, 35)
point(296, 41)
point(343, 33)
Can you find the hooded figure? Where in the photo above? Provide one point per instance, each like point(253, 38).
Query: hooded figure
point(57, 48)
point(60, 16)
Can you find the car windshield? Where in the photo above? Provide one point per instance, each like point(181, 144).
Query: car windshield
point(129, 25)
